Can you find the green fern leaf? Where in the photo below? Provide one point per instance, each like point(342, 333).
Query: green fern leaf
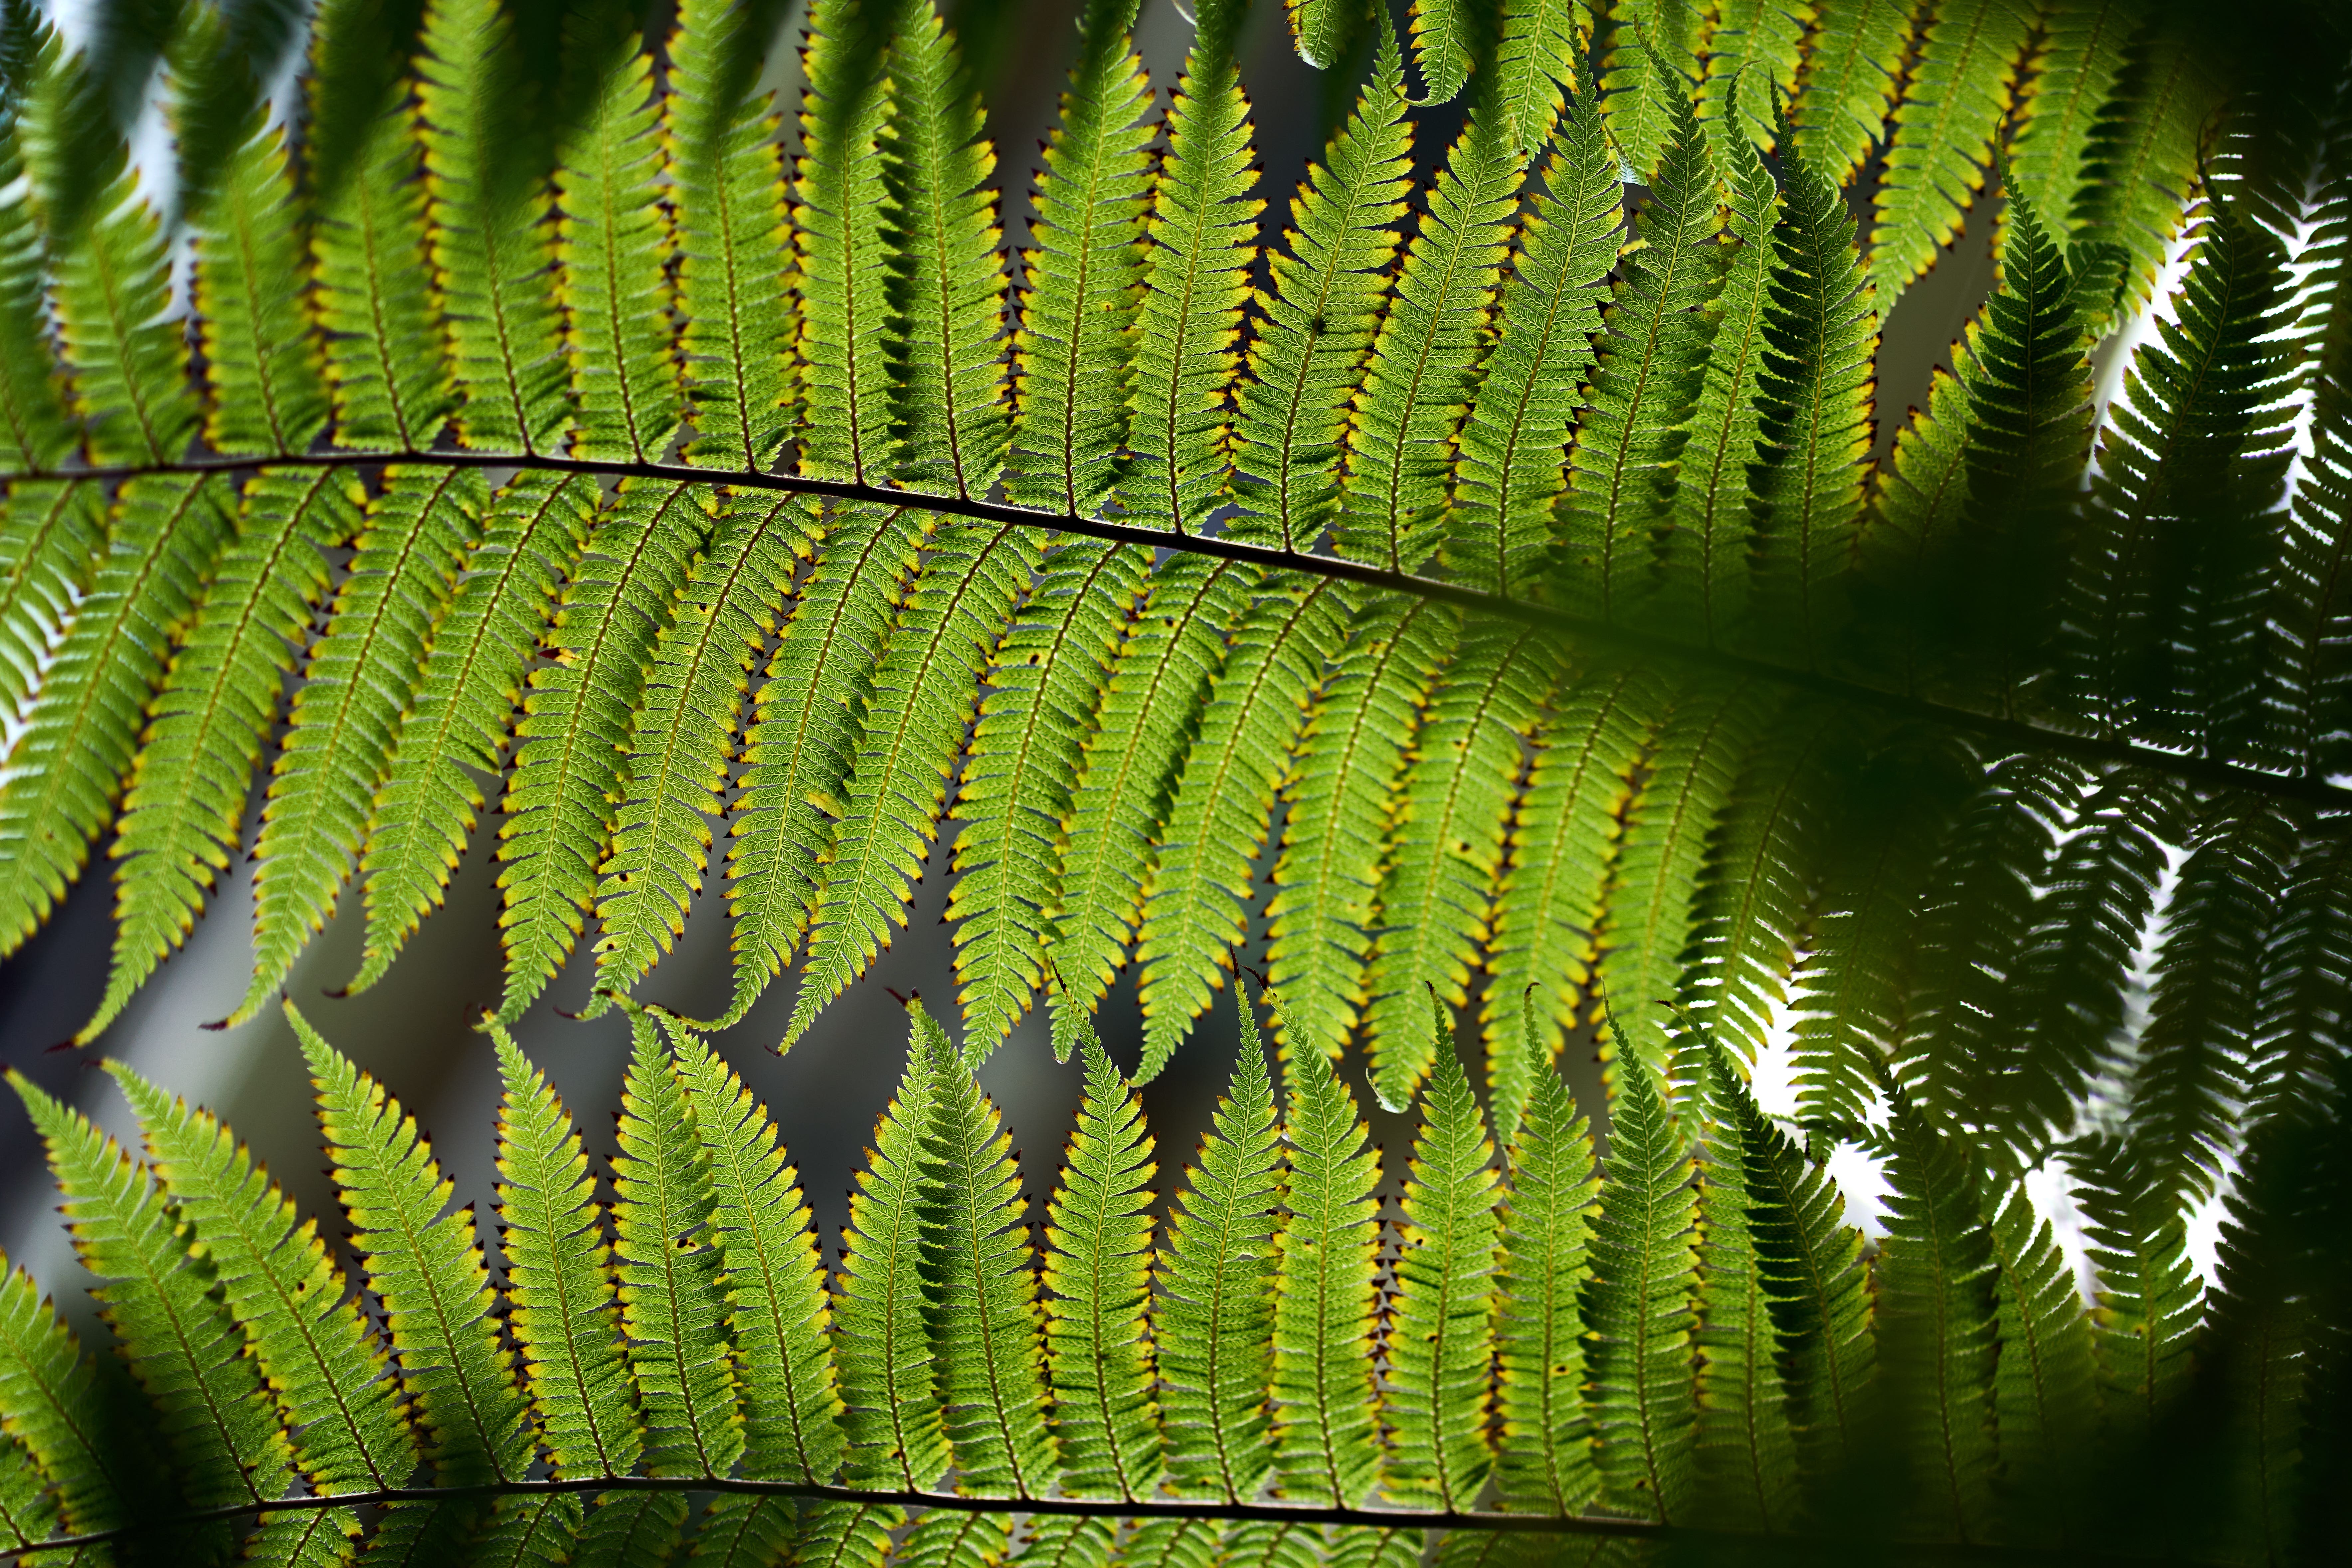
point(560, 799)
point(52, 542)
point(1446, 43)
point(2144, 1322)
point(261, 349)
point(734, 246)
point(613, 242)
point(1013, 798)
point(81, 735)
point(460, 720)
point(1446, 835)
point(2044, 1392)
point(1326, 1439)
point(316, 1352)
point(129, 366)
point(1098, 1266)
point(491, 234)
point(38, 431)
point(1213, 1318)
point(2081, 54)
point(185, 1352)
point(1202, 226)
point(915, 709)
point(1529, 384)
point(1216, 822)
point(1755, 49)
point(1960, 87)
point(347, 710)
point(946, 278)
point(1813, 393)
point(630, 1529)
point(2303, 983)
point(1625, 461)
point(1074, 350)
point(185, 805)
point(2143, 154)
point(1442, 1337)
point(980, 1298)
point(803, 736)
point(682, 731)
point(888, 1379)
point(1350, 759)
point(837, 228)
point(1637, 1304)
point(1543, 1463)
point(1648, 70)
point(1417, 382)
point(1535, 70)
point(45, 1384)
point(1705, 552)
point(426, 1267)
point(1938, 1288)
point(560, 1278)
point(1319, 319)
point(1128, 769)
point(1321, 30)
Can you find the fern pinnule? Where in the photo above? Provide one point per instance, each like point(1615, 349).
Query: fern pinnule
point(2302, 987)
point(2058, 104)
point(320, 1359)
point(558, 801)
point(2143, 1325)
point(52, 542)
point(387, 358)
point(945, 278)
point(837, 231)
point(915, 709)
point(1202, 225)
point(338, 748)
point(1441, 1340)
point(1350, 759)
point(37, 429)
point(803, 735)
point(1638, 1304)
point(1529, 380)
point(461, 719)
point(184, 809)
point(1647, 73)
point(1318, 318)
point(560, 1276)
point(1212, 1315)
point(2045, 1391)
point(2144, 154)
point(1013, 796)
point(1954, 94)
point(492, 235)
point(261, 351)
point(127, 365)
point(1170, 656)
point(1543, 1461)
point(1074, 351)
point(1193, 913)
point(426, 1266)
point(80, 733)
point(1755, 49)
point(1535, 71)
point(682, 730)
point(612, 243)
point(1098, 1264)
point(44, 1379)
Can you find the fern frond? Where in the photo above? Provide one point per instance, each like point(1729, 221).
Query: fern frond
point(1097, 1260)
point(426, 1267)
point(560, 1278)
point(1074, 354)
point(2144, 1319)
point(491, 234)
point(772, 1274)
point(1648, 73)
point(1350, 758)
point(1014, 799)
point(52, 542)
point(1848, 79)
point(1638, 1305)
point(1318, 318)
point(2081, 54)
point(837, 233)
point(558, 801)
point(1212, 1315)
point(347, 710)
point(1535, 70)
point(2044, 1394)
point(1216, 823)
point(1624, 462)
point(1954, 97)
point(1417, 380)
point(682, 732)
point(461, 718)
point(80, 737)
point(1754, 50)
point(55, 1405)
point(1202, 226)
point(1172, 655)
point(38, 429)
point(128, 365)
point(2143, 157)
point(317, 1354)
point(2300, 1029)
point(672, 1300)
point(1443, 1337)
point(185, 806)
point(946, 278)
point(916, 711)
point(261, 349)
point(1529, 387)
point(1543, 1463)
point(1326, 1441)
